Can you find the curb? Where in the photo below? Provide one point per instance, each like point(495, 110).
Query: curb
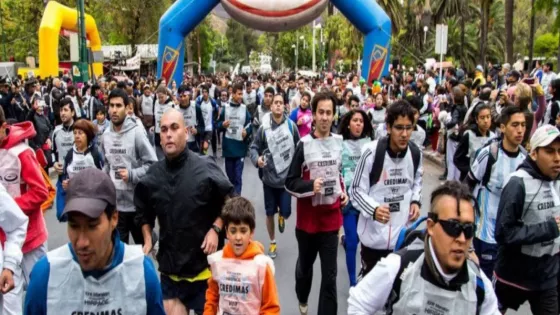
point(435, 158)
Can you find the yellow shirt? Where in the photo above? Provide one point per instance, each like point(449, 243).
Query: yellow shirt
point(204, 275)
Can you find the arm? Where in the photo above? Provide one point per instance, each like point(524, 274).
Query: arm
point(371, 294)
point(490, 304)
point(145, 212)
point(295, 184)
point(293, 116)
point(145, 152)
point(510, 229)
point(461, 159)
point(360, 185)
point(54, 148)
point(36, 298)
point(478, 168)
point(221, 118)
point(36, 193)
point(417, 184)
point(541, 101)
point(249, 129)
point(270, 304)
point(257, 146)
point(200, 126)
point(454, 119)
point(154, 297)
point(221, 186)
point(67, 161)
point(14, 223)
point(212, 298)
point(106, 167)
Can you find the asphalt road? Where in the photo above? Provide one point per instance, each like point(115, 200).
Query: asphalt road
point(287, 245)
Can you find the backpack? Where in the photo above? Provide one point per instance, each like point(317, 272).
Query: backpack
point(409, 256)
point(379, 159)
point(494, 145)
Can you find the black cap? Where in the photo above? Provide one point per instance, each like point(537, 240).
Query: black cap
point(515, 74)
point(90, 192)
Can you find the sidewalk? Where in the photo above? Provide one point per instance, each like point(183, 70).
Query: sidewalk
point(434, 157)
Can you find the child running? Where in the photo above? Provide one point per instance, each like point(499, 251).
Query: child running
point(242, 276)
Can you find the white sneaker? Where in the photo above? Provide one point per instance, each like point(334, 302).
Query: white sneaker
point(303, 309)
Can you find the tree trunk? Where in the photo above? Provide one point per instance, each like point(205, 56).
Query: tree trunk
point(484, 20)
point(189, 54)
point(463, 17)
point(531, 36)
point(509, 31)
point(198, 51)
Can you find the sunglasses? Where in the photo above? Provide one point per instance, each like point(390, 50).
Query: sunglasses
point(454, 228)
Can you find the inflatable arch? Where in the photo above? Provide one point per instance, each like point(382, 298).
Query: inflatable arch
point(55, 18)
point(183, 16)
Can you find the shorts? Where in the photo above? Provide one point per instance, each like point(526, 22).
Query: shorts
point(541, 302)
point(275, 198)
point(191, 294)
point(207, 136)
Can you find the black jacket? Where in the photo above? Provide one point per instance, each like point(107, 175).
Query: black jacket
point(186, 195)
point(43, 128)
point(457, 112)
point(511, 233)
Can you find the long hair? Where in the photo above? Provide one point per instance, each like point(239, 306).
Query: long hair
point(344, 130)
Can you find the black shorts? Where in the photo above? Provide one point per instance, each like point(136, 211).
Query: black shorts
point(541, 302)
point(191, 294)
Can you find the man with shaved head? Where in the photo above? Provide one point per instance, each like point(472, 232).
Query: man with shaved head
point(185, 192)
point(53, 100)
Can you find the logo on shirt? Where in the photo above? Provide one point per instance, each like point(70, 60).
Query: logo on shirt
point(9, 178)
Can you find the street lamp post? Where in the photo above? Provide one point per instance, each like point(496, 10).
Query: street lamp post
point(425, 32)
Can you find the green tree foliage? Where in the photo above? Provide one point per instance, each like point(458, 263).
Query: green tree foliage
point(546, 45)
point(207, 39)
point(241, 40)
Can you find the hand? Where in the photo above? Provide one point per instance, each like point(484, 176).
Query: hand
point(58, 168)
point(193, 131)
point(147, 248)
point(244, 133)
point(343, 199)
point(414, 212)
point(300, 121)
point(382, 214)
point(152, 129)
point(317, 185)
point(65, 184)
point(261, 162)
point(124, 174)
point(226, 124)
point(49, 143)
point(6, 281)
point(210, 243)
point(13, 101)
point(557, 218)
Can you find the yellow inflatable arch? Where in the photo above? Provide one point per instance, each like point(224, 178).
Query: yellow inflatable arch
point(55, 18)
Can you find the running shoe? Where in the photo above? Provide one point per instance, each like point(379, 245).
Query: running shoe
point(272, 250)
point(281, 223)
point(303, 309)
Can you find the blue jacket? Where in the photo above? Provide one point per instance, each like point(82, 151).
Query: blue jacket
point(233, 148)
point(36, 298)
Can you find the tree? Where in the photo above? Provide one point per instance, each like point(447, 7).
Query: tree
point(484, 25)
point(205, 39)
point(509, 31)
point(394, 10)
point(241, 40)
point(546, 45)
point(550, 6)
point(531, 35)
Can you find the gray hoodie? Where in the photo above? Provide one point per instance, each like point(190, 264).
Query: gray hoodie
point(268, 173)
point(130, 149)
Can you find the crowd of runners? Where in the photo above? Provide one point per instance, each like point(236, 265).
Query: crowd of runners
point(164, 163)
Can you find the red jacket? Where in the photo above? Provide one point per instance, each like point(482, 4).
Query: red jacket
point(19, 164)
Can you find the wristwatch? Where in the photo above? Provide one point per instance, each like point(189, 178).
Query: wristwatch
point(216, 229)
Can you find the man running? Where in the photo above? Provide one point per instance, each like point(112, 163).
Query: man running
point(208, 107)
point(272, 151)
point(387, 186)
point(434, 276)
point(63, 140)
point(491, 167)
point(186, 193)
point(528, 229)
point(128, 155)
point(236, 120)
point(161, 104)
point(315, 179)
point(95, 273)
point(265, 108)
point(20, 174)
point(193, 117)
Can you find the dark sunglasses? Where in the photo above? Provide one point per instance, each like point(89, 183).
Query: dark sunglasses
point(454, 228)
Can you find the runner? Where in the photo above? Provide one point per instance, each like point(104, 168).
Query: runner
point(193, 117)
point(161, 104)
point(186, 193)
point(95, 273)
point(434, 276)
point(453, 123)
point(263, 109)
point(528, 229)
point(20, 174)
point(13, 222)
point(128, 155)
point(356, 132)
point(387, 186)
point(241, 264)
point(101, 123)
point(314, 178)
point(208, 107)
point(147, 107)
point(302, 115)
point(378, 113)
point(236, 120)
point(63, 140)
point(272, 151)
point(489, 170)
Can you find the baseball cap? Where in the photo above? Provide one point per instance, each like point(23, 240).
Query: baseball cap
point(90, 192)
point(544, 136)
point(479, 68)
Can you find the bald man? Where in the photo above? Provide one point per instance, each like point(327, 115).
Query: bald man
point(55, 96)
point(186, 193)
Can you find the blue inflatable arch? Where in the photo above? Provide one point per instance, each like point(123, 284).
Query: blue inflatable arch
point(183, 16)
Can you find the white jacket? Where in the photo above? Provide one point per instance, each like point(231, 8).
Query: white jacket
point(14, 223)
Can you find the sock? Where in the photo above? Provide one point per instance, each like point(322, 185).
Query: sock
point(273, 242)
